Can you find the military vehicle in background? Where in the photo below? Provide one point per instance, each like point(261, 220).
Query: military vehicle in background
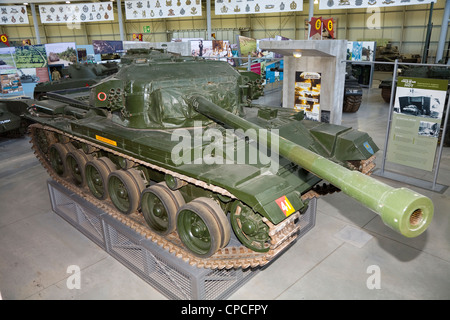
point(12, 123)
point(352, 92)
point(172, 147)
point(390, 53)
point(77, 75)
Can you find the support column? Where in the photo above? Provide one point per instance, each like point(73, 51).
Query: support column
point(208, 20)
point(311, 14)
point(443, 34)
point(119, 15)
point(35, 22)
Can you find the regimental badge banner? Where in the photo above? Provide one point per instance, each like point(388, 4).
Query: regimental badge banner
point(13, 15)
point(78, 12)
point(151, 9)
point(352, 4)
point(257, 6)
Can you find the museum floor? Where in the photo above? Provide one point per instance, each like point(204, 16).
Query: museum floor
point(333, 261)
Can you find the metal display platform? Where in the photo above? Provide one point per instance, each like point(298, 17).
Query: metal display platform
point(170, 275)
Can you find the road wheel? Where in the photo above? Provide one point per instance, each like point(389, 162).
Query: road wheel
point(96, 173)
point(124, 188)
point(159, 206)
point(203, 227)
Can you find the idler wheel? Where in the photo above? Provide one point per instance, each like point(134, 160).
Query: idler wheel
point(159, 206)
point(57, 154)
point(124, 188)
point(96, 173)
point(249, 228)
point(203, 227)
point(76, 161)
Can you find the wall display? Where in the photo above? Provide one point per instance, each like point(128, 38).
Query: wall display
point(9, 78)
point(247, 46)
point(259, 6)
point(78, 12)
point(64, 53)
point(361, 50)
point(150, 9)
point(107, 47)
point(31, 56)
point(211, 48)
point(86, 54)
point(349, 4)
point(307, 94)
point(42, 74)
point(13, 15)
point(416, 122)
point(274, 71)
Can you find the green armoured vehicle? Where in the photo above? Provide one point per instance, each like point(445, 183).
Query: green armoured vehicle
point(12, 122)
point(172, 148)
point(79, 75)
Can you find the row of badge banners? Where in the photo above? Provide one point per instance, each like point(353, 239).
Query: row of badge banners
point(146, 9)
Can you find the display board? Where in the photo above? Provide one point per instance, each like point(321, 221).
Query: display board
point(261, 6)
point(307, 94)
point(63, 53)
point(107, 46)
point(13, 15)
point(30, 56)
point(211, 48)
point(9, 78)
point(416, 121)
point(354, 4)
point(78, 12)
point(151, 9)
point(361, 50)
point(274, 71)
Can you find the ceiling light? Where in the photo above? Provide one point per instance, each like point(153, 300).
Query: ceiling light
point(297, 54)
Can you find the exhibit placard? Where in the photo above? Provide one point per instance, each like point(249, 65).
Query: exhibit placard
point(261, 6)
point(416, 121)
point(13, 15)
point(9, 78)
point(138, 9)
point(307, 94)
point(355, 4)
point(76, 13)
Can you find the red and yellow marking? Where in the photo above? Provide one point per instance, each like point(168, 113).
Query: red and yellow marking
point(285, 205)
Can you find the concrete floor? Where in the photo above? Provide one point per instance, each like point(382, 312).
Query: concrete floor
point(338, 259)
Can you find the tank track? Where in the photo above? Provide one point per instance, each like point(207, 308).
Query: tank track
point(352, 103)
point(281, 235)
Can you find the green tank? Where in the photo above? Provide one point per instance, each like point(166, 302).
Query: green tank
point(79, 75)
point(173, 149)
point(12, 123)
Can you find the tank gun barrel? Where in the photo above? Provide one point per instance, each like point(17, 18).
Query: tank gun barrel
point(402, 209)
